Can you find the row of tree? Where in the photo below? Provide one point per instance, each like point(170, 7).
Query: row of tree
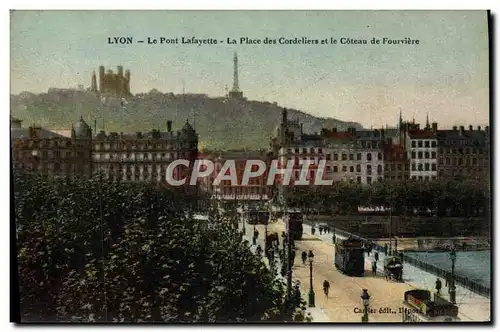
point(92, 250)
point(440, 198)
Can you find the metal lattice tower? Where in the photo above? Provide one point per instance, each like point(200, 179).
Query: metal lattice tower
point(236, 85)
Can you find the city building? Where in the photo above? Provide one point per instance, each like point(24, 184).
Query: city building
point(369, 155)
point(145, 156)
point(49, 153)
point(463, 153)
point(127, 157)
point(256, 189)
point(421, 148)
point(110, 83)
point(396, 164)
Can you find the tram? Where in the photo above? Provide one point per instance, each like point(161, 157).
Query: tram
point(418, 307)
point(349, 257)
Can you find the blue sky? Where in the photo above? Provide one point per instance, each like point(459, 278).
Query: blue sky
point(446, 75)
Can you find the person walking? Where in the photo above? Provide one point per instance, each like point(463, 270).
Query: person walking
point(321, 231)
point(313, 230)
point(438, 286)
point(374, 268)
point(304, 257)
point(376, 256)
point(326, 287)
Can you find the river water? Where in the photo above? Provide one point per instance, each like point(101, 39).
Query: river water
point(474, 265)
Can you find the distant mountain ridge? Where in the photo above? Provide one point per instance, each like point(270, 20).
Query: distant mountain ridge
point(220, 122)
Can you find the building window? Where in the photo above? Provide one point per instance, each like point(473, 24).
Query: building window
point(358, 168)
point(427, 155)
point(413, 155)
point(335, 156)
point(419, 143)
point(369, 169)
point(344, 156)
point(420, 167)
point(351, 169)
point(369, 180)
point(379, 169)
point(344, 169)
point(420, 178)
point(433, 154)
point(320, 150)
point(351, 156)
point(304, 150)
point(400, 167)
point(328, 156)
point(413, 144)
point(434, 168)
point(335, 169)
point(358, 179)
point(427, 167)
point(420, 154)
point(393, 167)
point(427, 144)
point(379, 156)
point(433, 144)
point(369, 157)
point(296, 150)
point(358, 156)
point(413, 167)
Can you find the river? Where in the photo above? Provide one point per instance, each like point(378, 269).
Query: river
point(475, 265)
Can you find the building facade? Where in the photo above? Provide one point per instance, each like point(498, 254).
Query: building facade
point(422, 151)
point(396, 164)
point(139, 157)
point(117, 84)
point(463, 153)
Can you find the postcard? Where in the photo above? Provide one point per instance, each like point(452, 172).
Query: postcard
point(251, 166)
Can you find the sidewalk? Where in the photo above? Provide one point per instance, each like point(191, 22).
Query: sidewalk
point(471, 306)
point(317, 313)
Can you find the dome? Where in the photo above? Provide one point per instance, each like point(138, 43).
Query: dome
point(82, 129)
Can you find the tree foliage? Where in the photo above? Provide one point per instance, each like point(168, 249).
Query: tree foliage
point(92, 250)
point(458, 197)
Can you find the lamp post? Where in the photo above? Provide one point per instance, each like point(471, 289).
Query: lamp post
point(366, 302)
point(451, 288)
point(34, 154)
point(311, 290)
point(334, 239)
point(395, 245)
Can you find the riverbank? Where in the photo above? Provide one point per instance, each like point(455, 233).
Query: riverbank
point(437, 243)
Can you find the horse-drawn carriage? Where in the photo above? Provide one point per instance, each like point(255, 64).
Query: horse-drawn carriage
point(393, 267)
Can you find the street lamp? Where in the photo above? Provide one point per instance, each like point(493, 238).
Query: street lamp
point(395, 245)
point(311, 290)
point(333, 236)
point(366, 302)
point(451, 288)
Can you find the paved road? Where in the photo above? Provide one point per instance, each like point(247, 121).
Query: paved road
point(345, 291)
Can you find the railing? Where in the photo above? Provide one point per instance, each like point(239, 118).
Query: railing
point(461, 280)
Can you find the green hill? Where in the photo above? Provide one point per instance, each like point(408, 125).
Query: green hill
point(221, 123)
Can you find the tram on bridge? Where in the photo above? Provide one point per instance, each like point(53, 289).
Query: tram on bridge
point(350, 257)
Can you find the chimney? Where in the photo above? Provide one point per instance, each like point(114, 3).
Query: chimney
point(455, 128)
point(470, 128)
point(169, 126)
point(479, 128)
point(434, 127)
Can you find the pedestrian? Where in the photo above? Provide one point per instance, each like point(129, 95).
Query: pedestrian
point(326, 287)
point(376, 256)
point(259, 250)
point(256, 233)
point(313, 230)
point(385, 249)
point(321, 231)
point(254, 240)
point(368, 249)
point(304, 257)
point(374, 268)
point(293, 257)
point(438, 286)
